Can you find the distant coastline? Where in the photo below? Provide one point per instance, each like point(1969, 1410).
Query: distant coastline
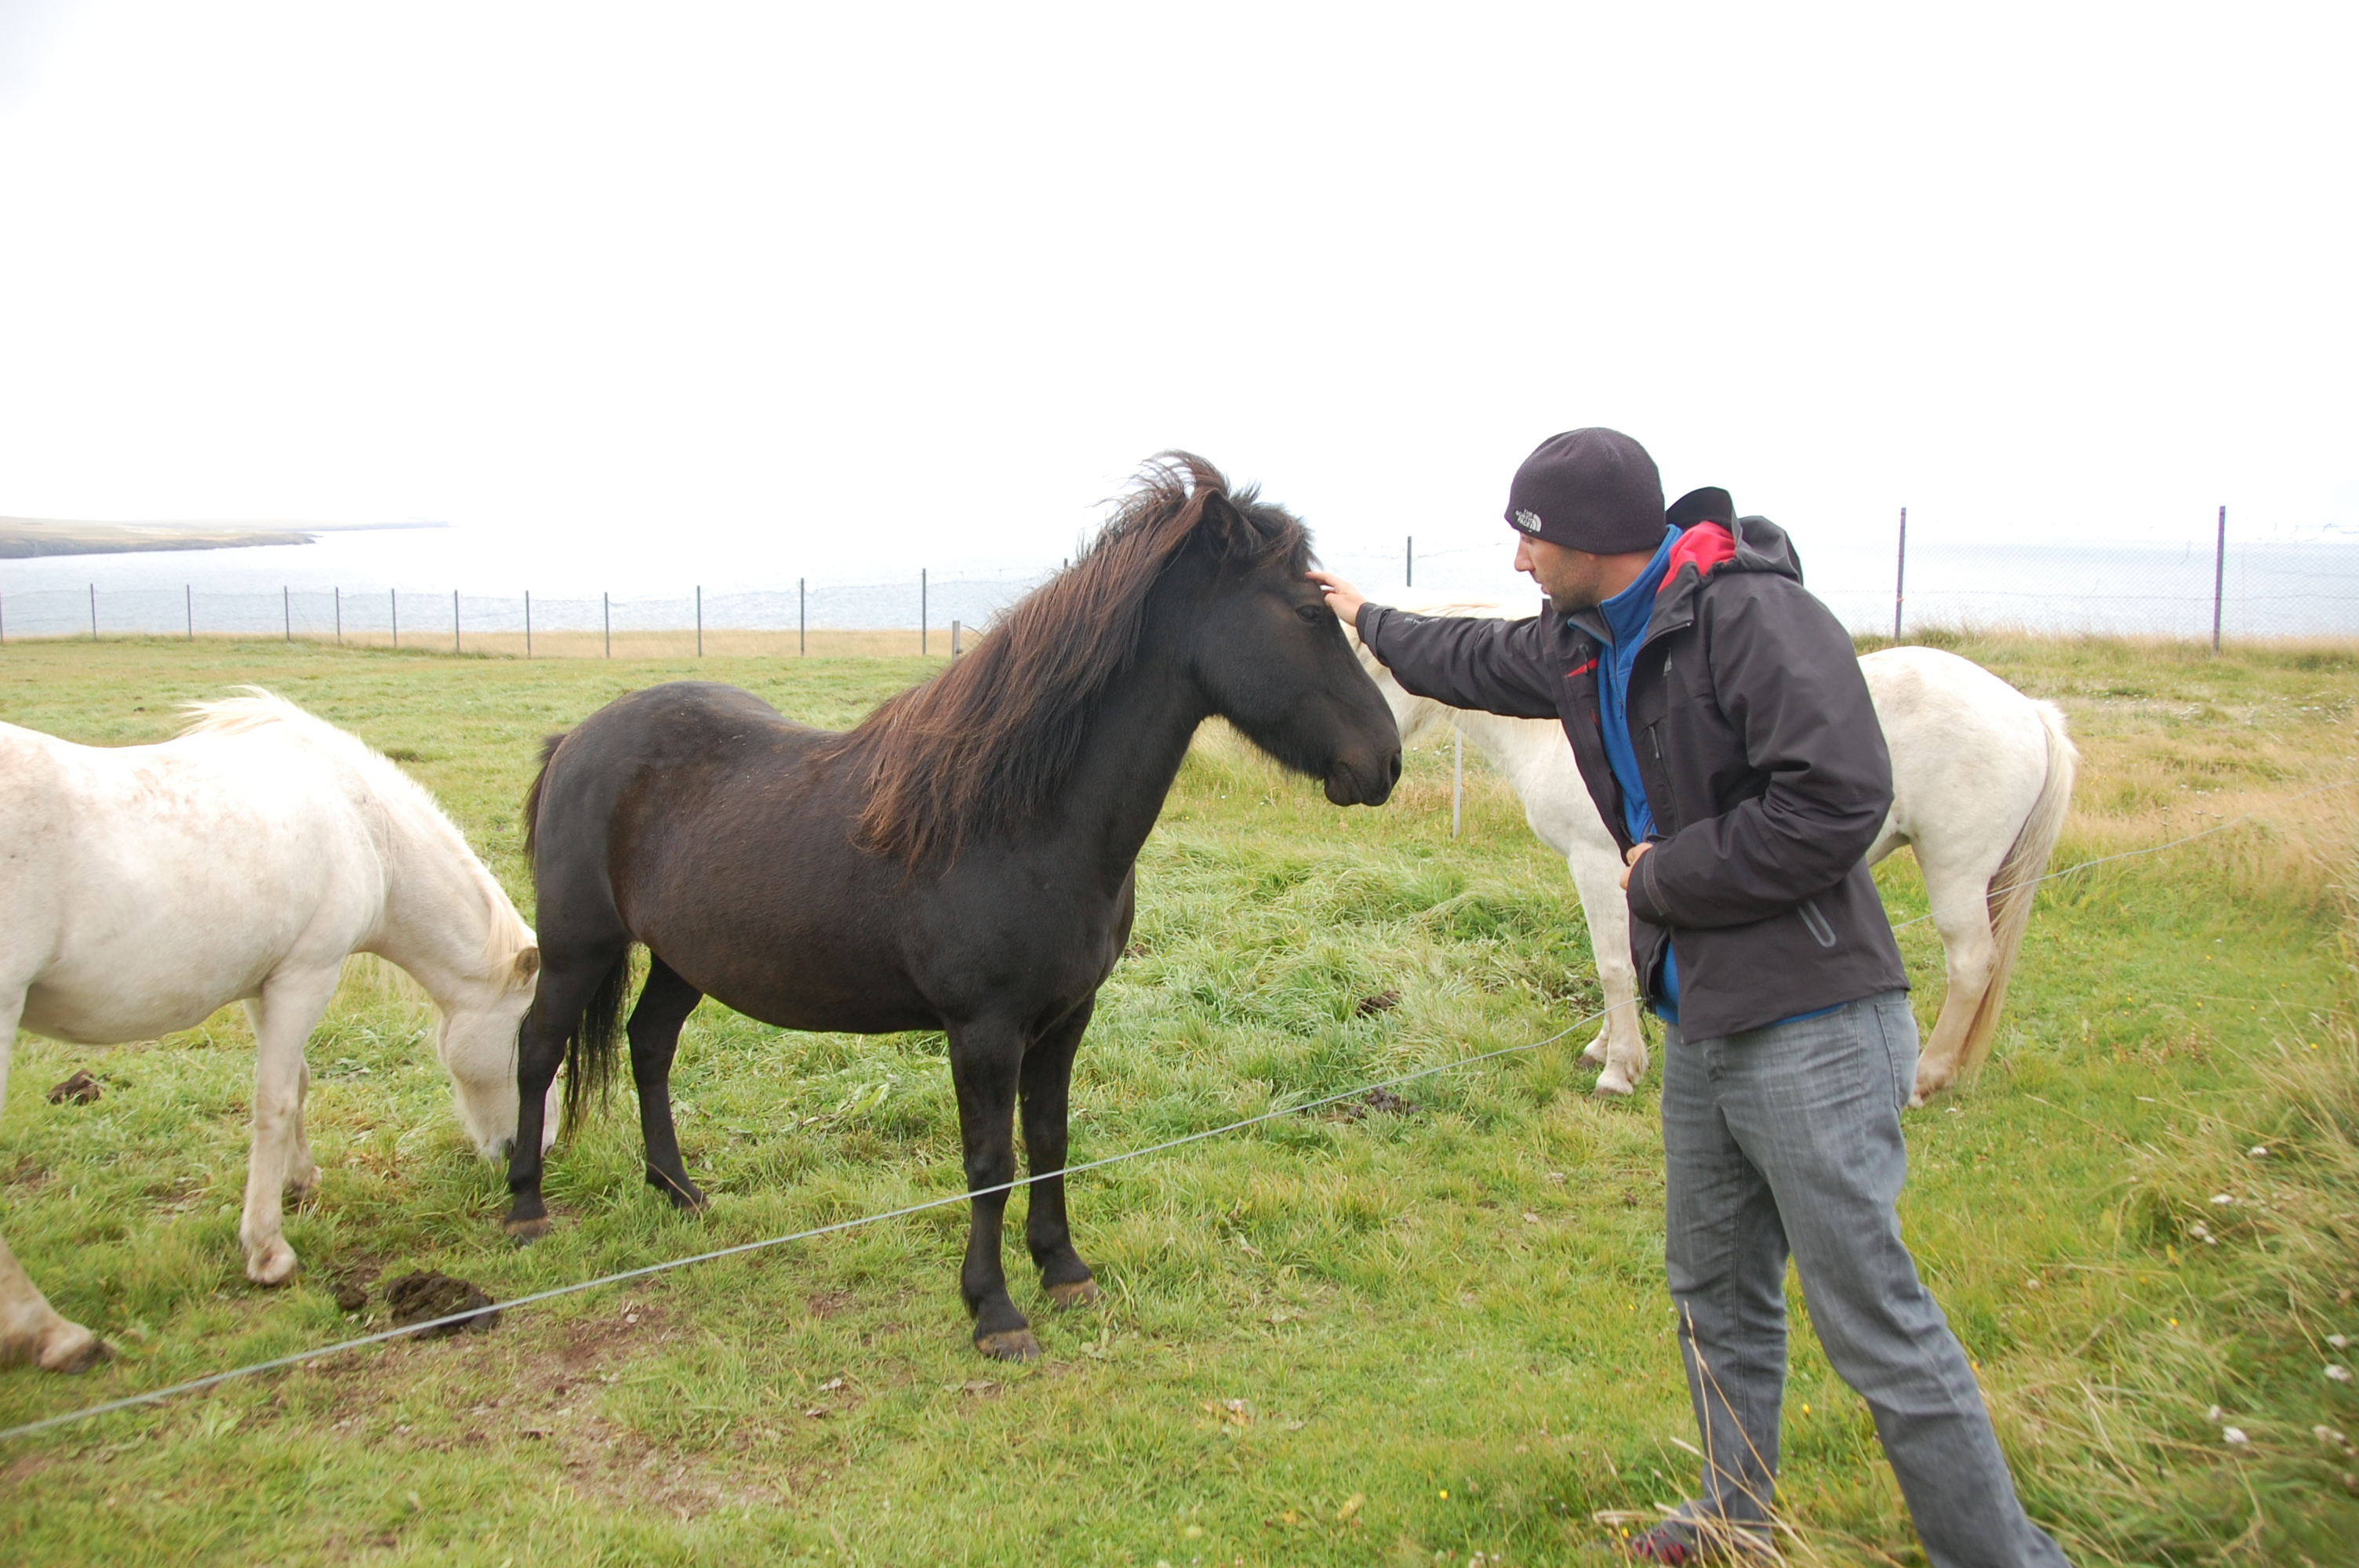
point(25, 539)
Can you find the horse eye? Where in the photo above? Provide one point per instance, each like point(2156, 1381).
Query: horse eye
point(1310, 613)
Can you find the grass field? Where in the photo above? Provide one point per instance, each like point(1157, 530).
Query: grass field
point(1400, 1338)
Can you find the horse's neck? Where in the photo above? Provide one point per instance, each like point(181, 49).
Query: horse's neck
point(438, 913)
point(1520, 747)
point(1130, 753)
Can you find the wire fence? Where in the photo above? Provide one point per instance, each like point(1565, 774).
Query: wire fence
point(2190, 588)
point(277, 1363)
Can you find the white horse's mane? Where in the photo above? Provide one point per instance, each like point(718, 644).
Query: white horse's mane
point(257, 710)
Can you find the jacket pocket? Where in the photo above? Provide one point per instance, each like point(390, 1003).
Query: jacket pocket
point(1820, 932)
point(1661, 796)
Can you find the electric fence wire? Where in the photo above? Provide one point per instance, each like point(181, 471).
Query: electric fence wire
point(297, 1358)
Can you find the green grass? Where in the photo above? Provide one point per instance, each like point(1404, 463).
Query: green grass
point(1324, 1340)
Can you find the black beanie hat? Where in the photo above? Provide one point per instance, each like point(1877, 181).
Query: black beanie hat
point(1593, 490)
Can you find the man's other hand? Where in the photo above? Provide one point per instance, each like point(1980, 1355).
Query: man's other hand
point(1630, 860)
point(1341, 596)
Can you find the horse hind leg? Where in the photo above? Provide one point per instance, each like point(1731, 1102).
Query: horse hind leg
point(665, 1003)
point(1970, 957)
point(1620, 1047)
point(30, 1329)
point(282, 1017)
point(1046, 1083)
point(569, 998)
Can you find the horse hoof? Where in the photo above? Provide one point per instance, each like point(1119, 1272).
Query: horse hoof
point(72, 1349)
point(1595, 1055)
point(524, 1232)
point(1009, 1345)
point(273, 1264)
point(303, 1188)
point(1612, 1085)
point(1075, 1293)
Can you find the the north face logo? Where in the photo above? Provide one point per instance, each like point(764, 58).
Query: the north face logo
point(1527, 521)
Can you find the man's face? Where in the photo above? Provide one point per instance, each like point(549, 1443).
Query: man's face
point(1573, 579)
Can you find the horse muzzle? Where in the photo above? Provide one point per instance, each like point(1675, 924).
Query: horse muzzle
point(1368, 782)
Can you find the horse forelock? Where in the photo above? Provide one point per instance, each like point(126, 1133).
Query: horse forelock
point(403, 799)
point(987, 744)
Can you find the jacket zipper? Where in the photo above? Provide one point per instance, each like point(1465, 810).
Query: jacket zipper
point(1820, 930)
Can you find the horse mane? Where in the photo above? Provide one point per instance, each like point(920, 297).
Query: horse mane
point(254, 711)
point(987, 744)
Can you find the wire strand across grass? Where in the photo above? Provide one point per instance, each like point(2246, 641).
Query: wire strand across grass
point(194, 1385)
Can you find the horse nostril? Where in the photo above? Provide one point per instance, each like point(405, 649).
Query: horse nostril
point(1392, 774)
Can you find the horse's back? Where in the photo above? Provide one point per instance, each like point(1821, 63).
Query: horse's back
point(157, 883)
point(1969, 752)
point(695, 819)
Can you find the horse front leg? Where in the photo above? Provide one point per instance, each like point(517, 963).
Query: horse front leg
point(567, 985)
point(986, 1060)
point(30, 1329)
point(282, 1017)
point(1046, 1084)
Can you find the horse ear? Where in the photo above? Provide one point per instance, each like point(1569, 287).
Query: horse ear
point(1228, 529)
point(527, 965)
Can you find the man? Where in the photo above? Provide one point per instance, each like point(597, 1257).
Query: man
point(1721, 722)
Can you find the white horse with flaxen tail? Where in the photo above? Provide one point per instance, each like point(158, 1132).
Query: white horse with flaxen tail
point(142, 887)
point(1981, 776)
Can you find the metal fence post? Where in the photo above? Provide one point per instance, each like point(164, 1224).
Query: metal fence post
point(700, 621)
point(921, 612)
point(93, 612)
point(954, 642)
point(286, 608)
point(2219, 578)
point(1457, 776)
point(606, 616)
point(339, 619)
point(454, 623)
point(393, 610)
point(1900, 575)
point(1408, 579)
point(802, 616)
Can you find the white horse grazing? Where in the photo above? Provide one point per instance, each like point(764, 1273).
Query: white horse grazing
point(1981, 778)
point(142, 887)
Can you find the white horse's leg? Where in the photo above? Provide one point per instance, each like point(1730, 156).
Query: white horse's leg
point(282, 1017)
point(1620, 1045)
point(30, 1329)
point(1960, 903)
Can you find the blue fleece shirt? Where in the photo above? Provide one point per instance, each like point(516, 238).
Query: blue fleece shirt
point(1626, 616)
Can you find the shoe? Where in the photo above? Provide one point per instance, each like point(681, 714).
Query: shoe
point(1681, 1541)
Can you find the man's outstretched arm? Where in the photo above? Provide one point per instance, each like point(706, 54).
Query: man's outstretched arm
point(1493, 666)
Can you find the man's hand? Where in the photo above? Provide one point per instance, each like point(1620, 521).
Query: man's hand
point(1630, 860)
point(1341, 596)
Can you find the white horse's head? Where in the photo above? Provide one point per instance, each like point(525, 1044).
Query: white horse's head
point(482, 1012)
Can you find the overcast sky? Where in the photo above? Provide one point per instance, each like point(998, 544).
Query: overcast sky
point(859, 285)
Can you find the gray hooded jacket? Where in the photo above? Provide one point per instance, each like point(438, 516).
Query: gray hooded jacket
point(1765, 767)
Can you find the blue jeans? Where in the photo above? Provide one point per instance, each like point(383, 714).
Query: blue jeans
point(1787, 1139)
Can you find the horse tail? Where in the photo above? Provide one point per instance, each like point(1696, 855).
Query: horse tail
point(2016, 883)
point(548, 745)
point(594, 1044)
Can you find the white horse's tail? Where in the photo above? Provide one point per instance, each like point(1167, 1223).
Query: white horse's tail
point(2016, 883)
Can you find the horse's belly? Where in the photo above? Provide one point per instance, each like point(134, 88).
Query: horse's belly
point(109, 1015)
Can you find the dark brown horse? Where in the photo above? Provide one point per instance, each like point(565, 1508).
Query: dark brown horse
point(963, 860)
